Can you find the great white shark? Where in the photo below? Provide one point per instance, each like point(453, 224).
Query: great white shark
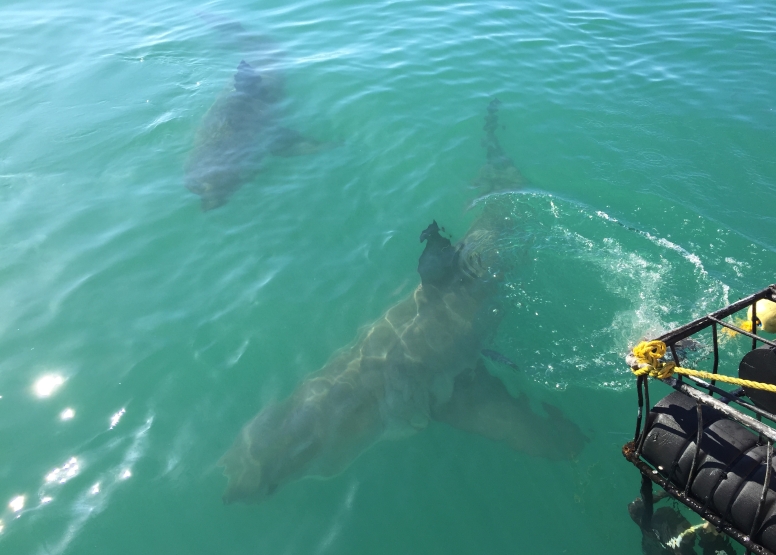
point(244, 125)
point(420, 362)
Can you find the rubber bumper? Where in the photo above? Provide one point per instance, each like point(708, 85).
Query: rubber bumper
point(730, 468)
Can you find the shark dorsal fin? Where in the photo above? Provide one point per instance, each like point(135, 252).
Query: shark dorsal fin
point(438, 263)
point(246, 80)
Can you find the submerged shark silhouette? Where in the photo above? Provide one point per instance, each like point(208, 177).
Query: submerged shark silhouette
point(421, 361)
point(242, 127)
point(667, 532)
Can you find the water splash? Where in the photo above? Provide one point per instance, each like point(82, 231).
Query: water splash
point(586, 291)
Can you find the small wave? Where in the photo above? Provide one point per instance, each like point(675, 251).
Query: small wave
point(94, 499)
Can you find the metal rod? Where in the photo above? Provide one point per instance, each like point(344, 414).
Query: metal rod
point(716, 349)
point(648, 407)
point(639, 381)
point(630, 454)
point(730, 412)
point(760, 438)
point(754, 325)
point(764, 493)
point(731, 398)
point(698, 438)
point(696, 325)
point(742, 332)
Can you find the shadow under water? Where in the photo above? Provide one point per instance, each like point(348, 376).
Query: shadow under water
point(421, 361)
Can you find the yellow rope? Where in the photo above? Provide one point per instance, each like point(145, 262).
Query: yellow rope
point(647, 355)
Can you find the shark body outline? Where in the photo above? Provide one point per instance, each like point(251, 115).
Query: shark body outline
point(420, 362)
point(243, 126)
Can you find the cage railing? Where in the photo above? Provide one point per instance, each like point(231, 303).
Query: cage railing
point(695, 389)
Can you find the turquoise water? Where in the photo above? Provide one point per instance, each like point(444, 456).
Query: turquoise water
point(163, 329)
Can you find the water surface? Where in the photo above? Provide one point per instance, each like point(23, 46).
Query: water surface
point(646, 131)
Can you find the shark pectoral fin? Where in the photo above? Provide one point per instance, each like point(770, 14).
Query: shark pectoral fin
point(287, 142)
point(482, 405)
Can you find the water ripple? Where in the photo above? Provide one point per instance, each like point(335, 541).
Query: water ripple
point(647, 130)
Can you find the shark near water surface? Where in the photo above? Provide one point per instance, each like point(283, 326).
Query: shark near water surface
point(420, 362)
point(243, 125)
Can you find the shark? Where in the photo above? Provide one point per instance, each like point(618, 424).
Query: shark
point(243, 126)
point(419, 364)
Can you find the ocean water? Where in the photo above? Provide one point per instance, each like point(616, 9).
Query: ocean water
point(138, 334)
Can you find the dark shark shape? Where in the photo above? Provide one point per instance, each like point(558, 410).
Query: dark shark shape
point(667, 532)
point(420, 362)
point(241, 128)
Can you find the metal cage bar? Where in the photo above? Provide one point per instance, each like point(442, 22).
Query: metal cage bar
point(701, 323)
point(632, 450)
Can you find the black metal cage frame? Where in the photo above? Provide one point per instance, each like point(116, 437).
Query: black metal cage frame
point(694, 387)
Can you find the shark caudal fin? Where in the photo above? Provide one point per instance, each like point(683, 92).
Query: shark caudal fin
point(499, 173)
point(261, 52)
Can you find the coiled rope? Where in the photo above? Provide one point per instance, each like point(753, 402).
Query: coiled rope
point(646, 360)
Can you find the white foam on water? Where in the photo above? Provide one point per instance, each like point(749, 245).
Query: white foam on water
point(641, 285)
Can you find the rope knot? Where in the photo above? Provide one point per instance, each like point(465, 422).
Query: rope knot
point(646, 360)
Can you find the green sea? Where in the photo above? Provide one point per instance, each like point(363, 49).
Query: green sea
point(138, 334)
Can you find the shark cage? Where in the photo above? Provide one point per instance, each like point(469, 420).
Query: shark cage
point(709, 443)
